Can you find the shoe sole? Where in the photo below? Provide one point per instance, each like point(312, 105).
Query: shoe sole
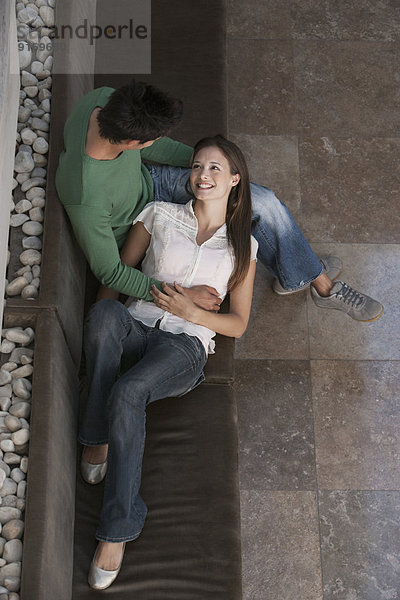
point(370, 320)
point(306, 287)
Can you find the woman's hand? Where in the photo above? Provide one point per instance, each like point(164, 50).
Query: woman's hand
point(176, 301)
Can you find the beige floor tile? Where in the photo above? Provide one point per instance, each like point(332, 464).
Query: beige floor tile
point(350, 189)
point(277, 326)
point(357, 424)
point(275, 425)
point(281, 558)
point(273, 161)
point(347, 88)
point(345, 20)
point(260, 87)
point(267, 19)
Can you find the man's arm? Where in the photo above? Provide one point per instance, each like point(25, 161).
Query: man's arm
point(168, 152)
point(94, 234)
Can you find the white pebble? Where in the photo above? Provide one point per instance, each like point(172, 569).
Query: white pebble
point(24, 55)
point(18, 220)
point(36, 67)
point(40, 124)
point(48, 46)
point(23, 206)
point(5, 376)
point(20, 389)
point(17, 475)
point(6, 514)
point(33, 182)
point(23, 162)
point(28, 136)
point(12, 423)
point(39, 202)
point(7, 446)
point(47, 14)
point(35, 192)
point(17, 335)
point(40, 145)
point(7, 347)
point(9, 366)
point(2, 477)
point(28, 79)
point(18, 354)
point(27, 15)
point(20, 437)
point(5, 403)
point(10, 458)
point(15, 287)
point(5, 391)
point(32, 242)
point(21, 489)
point(24, 371)
point(11, 570)
point(36, 214)
point(20, 409)
point(45, 105)
point(32, 228)
point(23, 114)
point(14, 528)
point(39, 159)
point(12, 583)
point(30, 257)
point(29, 292)
point(31, 91)
point(22, 177)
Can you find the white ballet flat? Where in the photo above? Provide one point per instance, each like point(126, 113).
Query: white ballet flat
point(93, 474)
point(100, 579)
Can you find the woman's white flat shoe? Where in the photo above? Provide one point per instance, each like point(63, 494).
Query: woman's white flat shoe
point(93, 474)
point(99, 579)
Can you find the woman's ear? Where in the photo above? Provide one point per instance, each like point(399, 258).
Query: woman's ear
point(235, 179)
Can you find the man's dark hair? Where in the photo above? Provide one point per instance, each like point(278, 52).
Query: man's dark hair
point(138, 111)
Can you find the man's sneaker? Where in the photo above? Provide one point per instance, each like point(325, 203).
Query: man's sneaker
point(332, 266)
point(342, 297)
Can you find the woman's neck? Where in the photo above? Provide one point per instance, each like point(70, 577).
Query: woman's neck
point(210, 217)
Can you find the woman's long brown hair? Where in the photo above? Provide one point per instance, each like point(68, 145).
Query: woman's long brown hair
point(238, 212)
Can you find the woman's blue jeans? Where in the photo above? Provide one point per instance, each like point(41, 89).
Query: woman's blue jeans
point(282, 248)
point(129, 365)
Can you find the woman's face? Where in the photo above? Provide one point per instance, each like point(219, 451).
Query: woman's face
point(211, 176)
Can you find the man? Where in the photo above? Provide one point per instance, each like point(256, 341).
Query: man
point(103, 185)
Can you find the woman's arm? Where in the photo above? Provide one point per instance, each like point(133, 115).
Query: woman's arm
point(232, 324)
point(132, 252)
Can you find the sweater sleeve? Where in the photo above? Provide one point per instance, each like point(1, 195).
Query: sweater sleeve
point(168, 152)
point(94, 234)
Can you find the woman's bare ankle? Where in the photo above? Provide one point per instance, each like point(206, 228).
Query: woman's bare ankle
point(109, 555)
point(95, 455)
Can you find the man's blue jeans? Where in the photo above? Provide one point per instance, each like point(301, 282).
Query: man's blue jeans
point(282, 248)
point(155, 364)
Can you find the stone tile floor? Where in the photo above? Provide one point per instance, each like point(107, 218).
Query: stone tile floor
point(314, 91)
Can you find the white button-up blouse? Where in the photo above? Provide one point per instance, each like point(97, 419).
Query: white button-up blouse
point(174, 255)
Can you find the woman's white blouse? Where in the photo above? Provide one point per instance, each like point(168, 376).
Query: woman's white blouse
point(174, 255)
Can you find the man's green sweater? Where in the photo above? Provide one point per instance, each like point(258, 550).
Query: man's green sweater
point(102, 197)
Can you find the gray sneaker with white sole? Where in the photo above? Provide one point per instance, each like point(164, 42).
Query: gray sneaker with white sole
point(332, 266)
point(342, 297)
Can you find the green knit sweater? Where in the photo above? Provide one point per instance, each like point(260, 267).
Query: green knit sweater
point(102, 197)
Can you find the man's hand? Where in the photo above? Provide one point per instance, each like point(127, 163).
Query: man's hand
point(204, 296)
point(176, 301)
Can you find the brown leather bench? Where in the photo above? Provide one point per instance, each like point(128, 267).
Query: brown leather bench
point(190, 546)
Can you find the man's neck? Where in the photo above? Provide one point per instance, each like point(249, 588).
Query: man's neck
point(96, 146)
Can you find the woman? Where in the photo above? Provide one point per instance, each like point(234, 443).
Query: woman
point(165, 342)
